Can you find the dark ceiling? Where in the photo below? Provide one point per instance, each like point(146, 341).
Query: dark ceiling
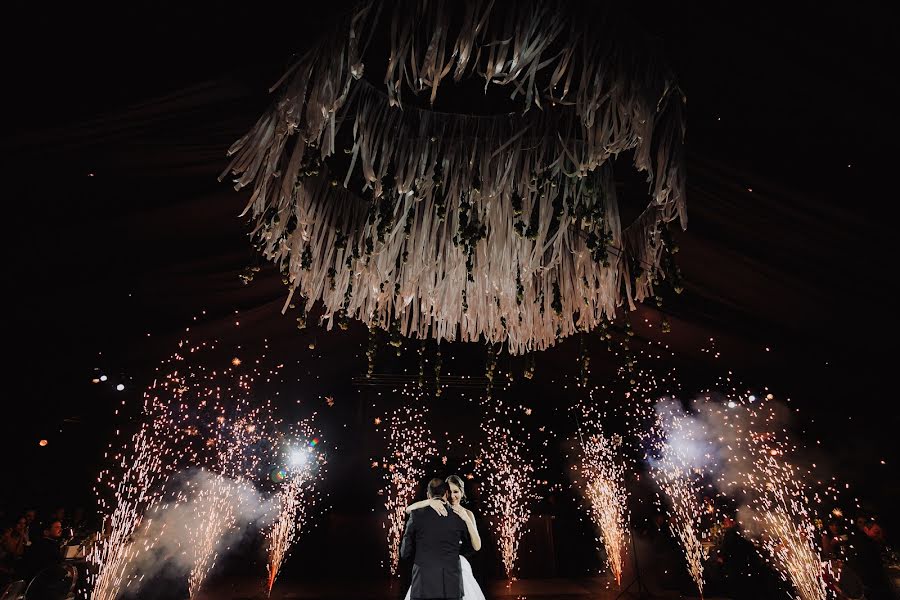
point(117, 124)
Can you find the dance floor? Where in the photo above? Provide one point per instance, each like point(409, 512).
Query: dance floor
point(531, 589)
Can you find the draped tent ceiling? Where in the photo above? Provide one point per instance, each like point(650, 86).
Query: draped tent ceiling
point(116, 225)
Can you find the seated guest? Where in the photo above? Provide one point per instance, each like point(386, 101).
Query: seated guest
point(45, 552)
point(60, 515)
point(12, 548)
point(34, 528)
point(833, 541)
point(866, 562)
point(15, 539)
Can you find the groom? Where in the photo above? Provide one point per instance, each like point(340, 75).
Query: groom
point(436, 542)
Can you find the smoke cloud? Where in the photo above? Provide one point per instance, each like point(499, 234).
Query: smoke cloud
point(201, 506)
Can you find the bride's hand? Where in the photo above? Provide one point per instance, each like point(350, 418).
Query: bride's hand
point(461, 512)
point(438, 506)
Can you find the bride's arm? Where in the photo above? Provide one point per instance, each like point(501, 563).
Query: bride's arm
point(437, 505)
point(473, 532)
point(469, 519)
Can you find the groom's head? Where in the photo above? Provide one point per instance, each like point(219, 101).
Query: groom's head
point(437, 488)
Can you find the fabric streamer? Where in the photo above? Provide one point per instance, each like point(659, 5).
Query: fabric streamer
point(500, 228)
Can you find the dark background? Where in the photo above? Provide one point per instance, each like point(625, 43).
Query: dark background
point(117, 234)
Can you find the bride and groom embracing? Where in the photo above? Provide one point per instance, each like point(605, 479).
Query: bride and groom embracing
point(439, 532)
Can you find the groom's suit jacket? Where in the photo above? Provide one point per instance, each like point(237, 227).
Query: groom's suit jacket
point(435, 543)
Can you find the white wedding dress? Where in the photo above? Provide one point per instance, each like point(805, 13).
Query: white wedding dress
point(471, 590)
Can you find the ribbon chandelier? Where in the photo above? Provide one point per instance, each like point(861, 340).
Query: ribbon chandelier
point(461, 225)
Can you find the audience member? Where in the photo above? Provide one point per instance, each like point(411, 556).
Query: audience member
point(45, 552)
point(866, 561)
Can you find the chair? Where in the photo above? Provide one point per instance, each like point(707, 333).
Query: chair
point(53, 583)
point(14, 590)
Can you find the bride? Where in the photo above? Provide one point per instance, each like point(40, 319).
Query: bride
point(471, 590)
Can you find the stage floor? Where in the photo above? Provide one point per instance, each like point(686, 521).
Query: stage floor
point(527, 589)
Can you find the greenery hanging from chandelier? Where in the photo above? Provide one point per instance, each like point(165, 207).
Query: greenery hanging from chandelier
point(464, 226)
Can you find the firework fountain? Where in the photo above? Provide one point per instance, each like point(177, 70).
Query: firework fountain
point(779, 505)
point(196, 418)
point(740, 441)
point(134, 494)
point(145, 464)
point(297, 496)
point(677, 466)
point(218, 504)
point(509, 488)
point(409, 448)
point(601, 475)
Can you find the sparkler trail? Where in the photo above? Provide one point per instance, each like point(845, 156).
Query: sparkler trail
point(304, 468)
point(509, 488)
point(602, 481)
point(219, 504)
point(410, 446)
point(777, 504)
point(792, 549)
point(677, 468)
point(134, 495)
point(195, 415)
point(780, 507)
point(217, 516)
point(146, 463)
point(282, 533)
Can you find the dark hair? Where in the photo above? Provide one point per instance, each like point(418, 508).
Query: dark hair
point(458, 482)
point(49, 524)
point(437, 488)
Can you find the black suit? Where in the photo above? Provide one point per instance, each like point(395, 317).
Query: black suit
point(43, 553)
point(436, 543)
